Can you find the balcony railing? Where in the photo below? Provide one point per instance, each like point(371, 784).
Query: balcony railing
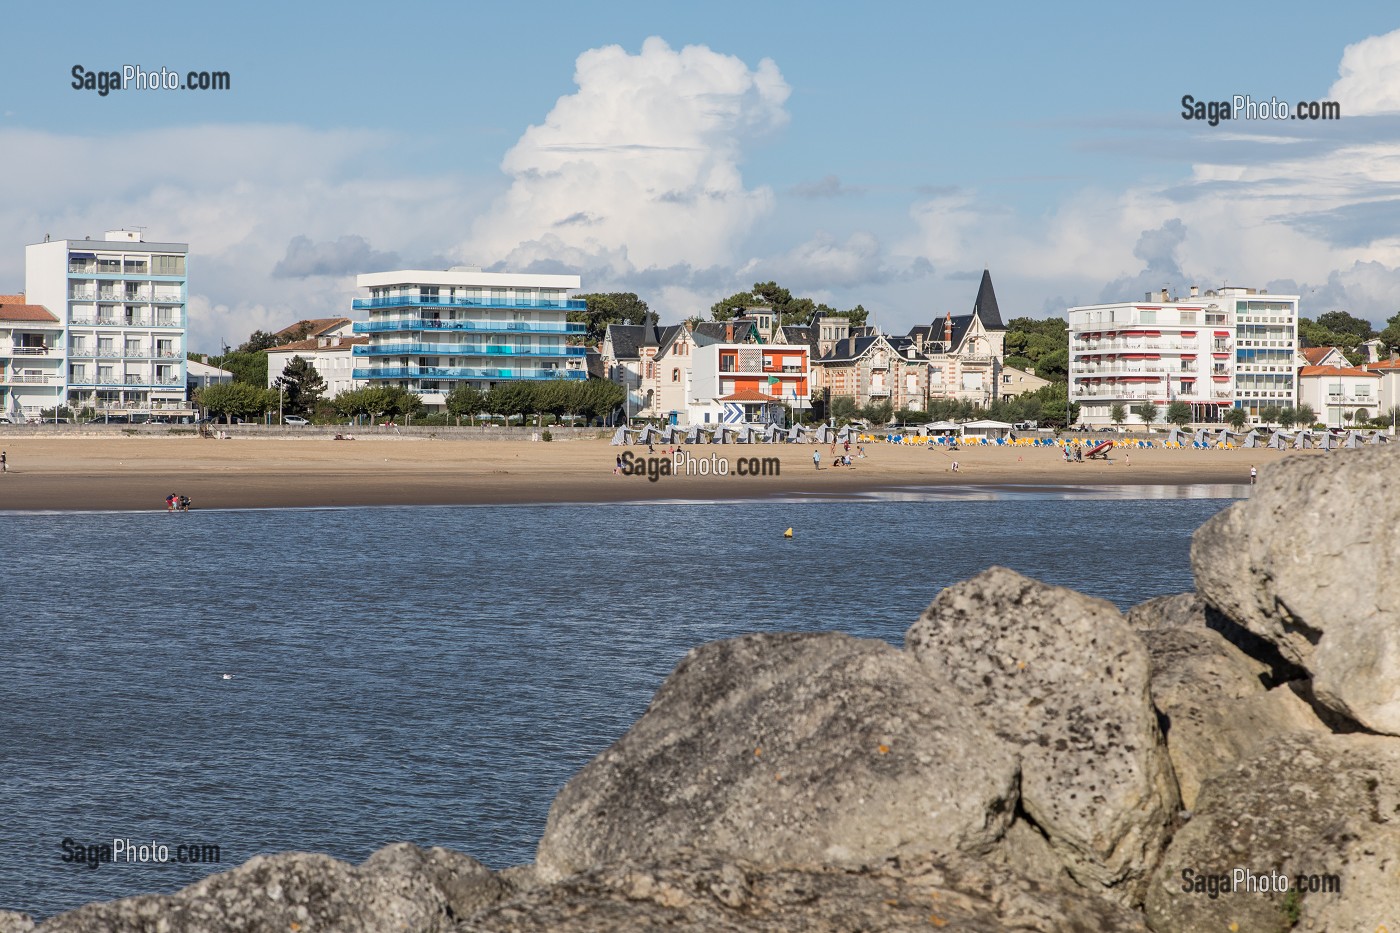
point(127, 381)
point(29, 379)
point(415, 301)
point(455, 372)
point(25, 351)
point(486, 327)
point(463, 349)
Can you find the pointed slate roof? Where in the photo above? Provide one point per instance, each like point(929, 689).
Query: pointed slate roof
point(985, 306)
point(625, 340)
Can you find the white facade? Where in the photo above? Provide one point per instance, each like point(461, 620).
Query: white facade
point(31, 359)
point(333, 357)
point(121, 302)
point(1340, 395)
point(1227, 348)
point(431, 331)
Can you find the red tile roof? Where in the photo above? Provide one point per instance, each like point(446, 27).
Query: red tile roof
point(749, 395)
point(314, 327)
point(1384, 364)
point(1315, 355)
point(1336, 371)
point(14, 308)
point(335, 343)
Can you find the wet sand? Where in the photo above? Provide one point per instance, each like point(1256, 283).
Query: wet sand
point(137, 473)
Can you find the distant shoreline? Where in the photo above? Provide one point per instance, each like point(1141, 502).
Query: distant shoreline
point(137, 473)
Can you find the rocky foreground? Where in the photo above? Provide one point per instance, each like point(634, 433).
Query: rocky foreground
point(1031, 760)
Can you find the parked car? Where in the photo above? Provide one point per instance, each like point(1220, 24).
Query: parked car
point(6, 420)
point(295, 421)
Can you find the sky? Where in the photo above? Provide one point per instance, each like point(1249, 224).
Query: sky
point(875, 153)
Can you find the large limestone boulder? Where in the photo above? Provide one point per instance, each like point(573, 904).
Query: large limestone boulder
point(788, 748)
point(1305, 806)
point(399, 888)
point(1311, 562)
point(1214, 707)
point(1063, 681)
point(707, 895)
point(14, 922)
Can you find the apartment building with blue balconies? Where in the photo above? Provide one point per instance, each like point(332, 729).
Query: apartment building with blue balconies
point(431, 331)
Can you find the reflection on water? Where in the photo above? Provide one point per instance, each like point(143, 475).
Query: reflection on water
point(436, 674)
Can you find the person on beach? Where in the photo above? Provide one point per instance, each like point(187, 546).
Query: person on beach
point(817, 459)
point(1253, 474)
point(170, 502)
point(617, 466)
point(4, 462)
point(1127, 459)
point(954, 468)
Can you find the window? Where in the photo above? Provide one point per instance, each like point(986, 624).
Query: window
point(168, 265)
point(676, 375)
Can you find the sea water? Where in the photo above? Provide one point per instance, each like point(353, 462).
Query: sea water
point(334, 680)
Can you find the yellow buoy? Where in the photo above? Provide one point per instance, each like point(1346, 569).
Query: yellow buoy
point(788, 533)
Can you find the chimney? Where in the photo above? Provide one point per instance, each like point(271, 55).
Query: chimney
point(948, 331)
point(1195, 291)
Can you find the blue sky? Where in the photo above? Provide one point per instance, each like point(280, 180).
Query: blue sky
point(873, 153)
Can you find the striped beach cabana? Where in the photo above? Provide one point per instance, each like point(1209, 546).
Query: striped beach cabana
point(693, 436)
point(649, 435)
point(1278, 441)
point(624, 435)
point(672, 435)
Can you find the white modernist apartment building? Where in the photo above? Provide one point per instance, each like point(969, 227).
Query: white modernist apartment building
point(1231, 348)
point(432, 331)
point(120, 304)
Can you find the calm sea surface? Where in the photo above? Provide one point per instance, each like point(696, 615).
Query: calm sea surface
point(436, 674)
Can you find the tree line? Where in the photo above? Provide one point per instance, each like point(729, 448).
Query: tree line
point(562, 398)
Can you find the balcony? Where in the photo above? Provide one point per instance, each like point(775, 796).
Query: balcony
point(455, 372)
point(430, 301)
point(486, 327)
point(879, 391)
point(26, 351)
point(9, 378)
point(463, 349)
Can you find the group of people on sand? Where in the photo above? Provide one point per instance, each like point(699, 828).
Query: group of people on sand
point(174, 503)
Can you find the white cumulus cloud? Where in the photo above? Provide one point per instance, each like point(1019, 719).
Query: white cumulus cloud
point(1370, 76)
point(638, 168)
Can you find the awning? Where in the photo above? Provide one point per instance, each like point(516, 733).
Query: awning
point(1222, 333)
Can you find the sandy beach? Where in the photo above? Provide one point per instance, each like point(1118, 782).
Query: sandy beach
point(137, 473)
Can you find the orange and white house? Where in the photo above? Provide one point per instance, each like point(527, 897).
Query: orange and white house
point(742, 374)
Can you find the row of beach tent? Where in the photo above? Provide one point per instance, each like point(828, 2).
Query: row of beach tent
point(734, 434)
point(1305, 439)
